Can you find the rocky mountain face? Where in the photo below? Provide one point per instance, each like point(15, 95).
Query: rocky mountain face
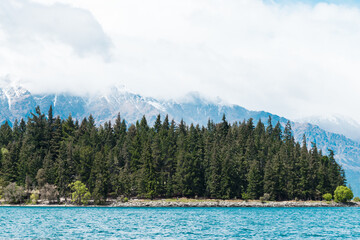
point(16, 102)
point(336, 124)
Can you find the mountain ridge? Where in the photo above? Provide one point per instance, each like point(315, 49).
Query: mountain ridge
point(16, 102)
point(337, 124)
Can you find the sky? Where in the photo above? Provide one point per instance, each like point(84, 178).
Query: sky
point(291, 58)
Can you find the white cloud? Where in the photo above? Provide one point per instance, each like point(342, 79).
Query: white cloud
point(293, 60)
point(27, 23)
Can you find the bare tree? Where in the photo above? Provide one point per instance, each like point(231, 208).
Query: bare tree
point(49, 192)
point(13, 193)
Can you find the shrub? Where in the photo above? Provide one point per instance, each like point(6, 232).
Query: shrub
point(49, 192)
point(13, 193)
point(86, 198)
point(245, 196)
point(343, 194)
point(327, 197)
point(356, 199)
point(262, 199)
point(4, 151)
point(34, 198)
point(266, 196)
point(80, 194)
point(125, 199)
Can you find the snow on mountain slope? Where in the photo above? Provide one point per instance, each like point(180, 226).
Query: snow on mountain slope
point(132, 106)
point(336, 124)
point(17, 102)
point(63, 104)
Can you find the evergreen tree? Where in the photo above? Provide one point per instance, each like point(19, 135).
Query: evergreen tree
point(221, 160)
point(6, 134)
point(150, 180)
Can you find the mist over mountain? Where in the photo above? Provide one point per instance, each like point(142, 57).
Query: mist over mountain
point(337, 124)
point(16, 102)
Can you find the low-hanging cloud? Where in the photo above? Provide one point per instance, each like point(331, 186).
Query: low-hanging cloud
point(291, 59)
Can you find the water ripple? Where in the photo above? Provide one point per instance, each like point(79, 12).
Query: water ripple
point(178, 223)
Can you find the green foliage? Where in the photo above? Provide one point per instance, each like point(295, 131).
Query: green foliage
point(327, 197)
point(5, 134)
point(3, 184)
point(356, 199)
point(245, 196)
point(255, 180)
point(34, 197)
point(221, 160)
point(343, 194)
point(40, 177)
point(4, 151)
point(80, 194)
point(86, 198)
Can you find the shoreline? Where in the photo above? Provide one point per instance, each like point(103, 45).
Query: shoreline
point(198, 203)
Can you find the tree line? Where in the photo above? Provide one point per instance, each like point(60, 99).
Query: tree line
point(221, 160)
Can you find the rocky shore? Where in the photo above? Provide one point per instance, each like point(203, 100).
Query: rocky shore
point(229, 203)
point(201, 203)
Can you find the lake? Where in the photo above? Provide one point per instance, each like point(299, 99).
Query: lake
point(179, 223)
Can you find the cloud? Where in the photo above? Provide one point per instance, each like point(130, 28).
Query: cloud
point(294, 59)
point(25, 22)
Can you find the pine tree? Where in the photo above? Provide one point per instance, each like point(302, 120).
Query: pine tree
point(99, 177)
point(214, 179)
point(9, 159)
point(157, 124)
point(151, 182)
point(255, 186)
point(219, 161)
point(6, 134)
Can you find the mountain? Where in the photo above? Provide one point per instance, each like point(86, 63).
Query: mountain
point(336, 124)
point(16, 102)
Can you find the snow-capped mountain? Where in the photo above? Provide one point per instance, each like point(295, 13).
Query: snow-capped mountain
point(336, 124)
point(16, 102)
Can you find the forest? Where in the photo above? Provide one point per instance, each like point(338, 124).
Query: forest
point(240, 160)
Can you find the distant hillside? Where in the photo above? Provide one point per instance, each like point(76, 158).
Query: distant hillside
point(336, 124)
point(16, 102)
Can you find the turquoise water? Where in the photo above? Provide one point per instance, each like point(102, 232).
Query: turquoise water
point(179, 223)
